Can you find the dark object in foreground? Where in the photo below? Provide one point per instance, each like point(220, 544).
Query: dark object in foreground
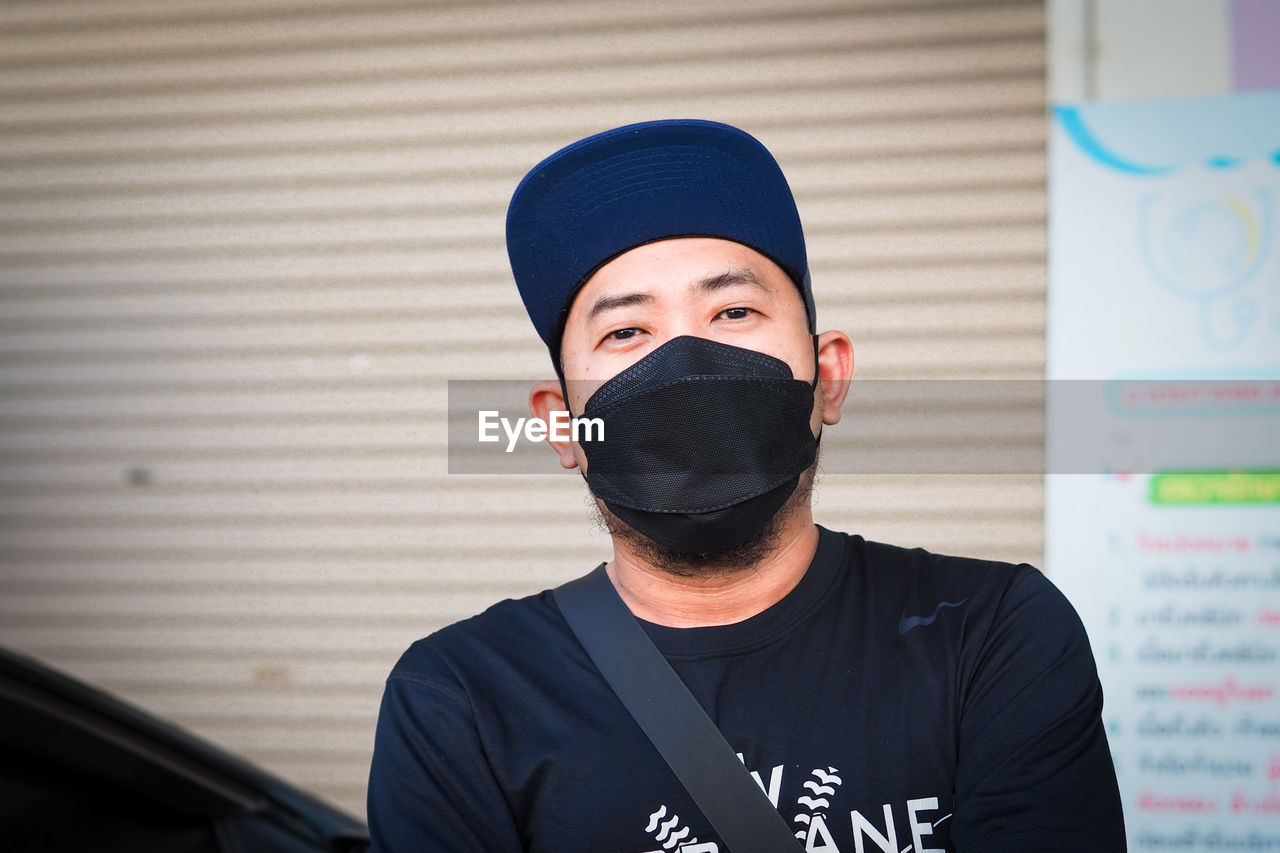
point(81, 770)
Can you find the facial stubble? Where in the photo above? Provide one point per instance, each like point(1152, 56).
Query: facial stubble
point(722, 563)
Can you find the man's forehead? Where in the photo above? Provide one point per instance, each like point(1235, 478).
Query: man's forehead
point(697, 265)
point(646, 293)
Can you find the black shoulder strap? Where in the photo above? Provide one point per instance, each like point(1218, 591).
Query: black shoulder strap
point(668, 713)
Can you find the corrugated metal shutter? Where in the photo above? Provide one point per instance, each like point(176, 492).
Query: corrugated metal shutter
point(244, 243)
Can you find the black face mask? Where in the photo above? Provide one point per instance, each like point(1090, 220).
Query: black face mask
point(703, 443)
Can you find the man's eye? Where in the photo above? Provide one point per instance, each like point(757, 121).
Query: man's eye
point(735, 313)
point(622, 334)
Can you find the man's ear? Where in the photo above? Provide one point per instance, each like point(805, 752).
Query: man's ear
point(545, 398)
point(835, 369)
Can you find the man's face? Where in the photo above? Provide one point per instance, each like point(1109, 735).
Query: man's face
point(702, 287)
point(699, 286)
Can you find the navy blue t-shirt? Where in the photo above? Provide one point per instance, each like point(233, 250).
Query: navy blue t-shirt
point(895, 700)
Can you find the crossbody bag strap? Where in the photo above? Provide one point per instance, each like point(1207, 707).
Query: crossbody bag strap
point(669, 714)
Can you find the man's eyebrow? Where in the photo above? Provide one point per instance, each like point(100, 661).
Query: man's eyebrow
point(738, 275)
point(625, 300)
point(728, 278)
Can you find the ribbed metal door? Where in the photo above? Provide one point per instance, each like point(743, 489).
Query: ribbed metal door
point(244, 244)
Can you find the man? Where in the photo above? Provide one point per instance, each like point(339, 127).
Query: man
point(883, 699)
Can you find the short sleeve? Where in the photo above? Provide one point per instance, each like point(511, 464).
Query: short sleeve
point(430, 785)
point(1034, 770)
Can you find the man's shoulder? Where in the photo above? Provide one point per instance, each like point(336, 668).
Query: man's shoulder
point(976, 609)
point(916, 582)
point(510, 630)
point(916, 566)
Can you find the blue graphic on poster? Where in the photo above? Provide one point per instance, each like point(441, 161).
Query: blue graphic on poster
point(1207, 248)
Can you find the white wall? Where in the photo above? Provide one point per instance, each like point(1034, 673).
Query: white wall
point(1124, 49)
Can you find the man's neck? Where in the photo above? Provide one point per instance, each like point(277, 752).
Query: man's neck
point(679, 602)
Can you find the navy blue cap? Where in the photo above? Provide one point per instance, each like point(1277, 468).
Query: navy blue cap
point(606, 194)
